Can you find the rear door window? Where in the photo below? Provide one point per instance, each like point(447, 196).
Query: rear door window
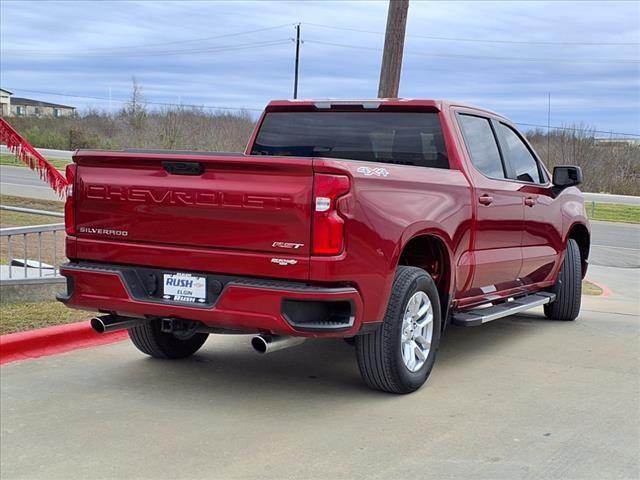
point(481, 145)
point(403, 138)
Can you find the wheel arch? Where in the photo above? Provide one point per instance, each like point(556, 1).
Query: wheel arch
point(429, 251)
point(580, 233)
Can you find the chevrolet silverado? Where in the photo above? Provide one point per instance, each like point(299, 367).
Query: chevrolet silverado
point(378, 221)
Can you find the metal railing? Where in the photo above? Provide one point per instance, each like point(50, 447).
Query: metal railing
point(36, 244)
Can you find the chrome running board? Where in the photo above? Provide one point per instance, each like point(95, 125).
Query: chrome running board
point(478, 316)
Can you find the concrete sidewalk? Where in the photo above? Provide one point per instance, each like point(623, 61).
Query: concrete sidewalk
point(520, 397)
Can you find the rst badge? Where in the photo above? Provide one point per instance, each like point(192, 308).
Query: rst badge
point(294, 246)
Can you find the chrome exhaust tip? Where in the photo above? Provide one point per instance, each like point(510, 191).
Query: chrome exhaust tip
point(98, 325)
point(264, 344)
point(113, 323)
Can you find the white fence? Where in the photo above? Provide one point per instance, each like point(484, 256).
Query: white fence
point(33, 253)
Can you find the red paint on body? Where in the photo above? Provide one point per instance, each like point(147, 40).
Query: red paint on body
point(502, 237)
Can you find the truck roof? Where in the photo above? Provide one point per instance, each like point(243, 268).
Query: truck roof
point(371, 103)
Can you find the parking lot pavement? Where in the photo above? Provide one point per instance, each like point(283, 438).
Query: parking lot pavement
point(615, 244)
point(520, 397)
point(22, 182)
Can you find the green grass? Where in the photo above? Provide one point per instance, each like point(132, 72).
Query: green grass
point(589, 288)
point(613, 212)
point(18, 317)
point(51, 250)
point(18, 219)
point(11, 160)
point(51, 205)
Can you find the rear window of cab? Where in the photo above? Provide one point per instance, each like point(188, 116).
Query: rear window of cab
point(402, 138)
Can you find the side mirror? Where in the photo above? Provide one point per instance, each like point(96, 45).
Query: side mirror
point(567, 176)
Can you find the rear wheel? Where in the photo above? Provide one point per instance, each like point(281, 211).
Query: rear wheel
point(399, 356)
point(150, 339)
point(568, 287)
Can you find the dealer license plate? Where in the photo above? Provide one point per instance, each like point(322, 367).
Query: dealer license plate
point(184, 287)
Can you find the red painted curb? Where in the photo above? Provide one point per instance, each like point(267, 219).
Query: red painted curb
point(47, 341)
point(606, 291)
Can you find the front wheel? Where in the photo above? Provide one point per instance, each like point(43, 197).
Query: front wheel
point(568, 287)
point(399, 356)
point(150, 339)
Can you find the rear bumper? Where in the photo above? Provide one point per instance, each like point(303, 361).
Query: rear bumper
point(234, 303)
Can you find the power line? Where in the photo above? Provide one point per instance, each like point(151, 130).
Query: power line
point(574, 129)
point(88, 97)
point(132, 47)
point(477, 40)
point(485, 57)
point(208, 50)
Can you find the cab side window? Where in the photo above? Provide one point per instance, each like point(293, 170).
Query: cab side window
point(481, 145)
point(523, 163)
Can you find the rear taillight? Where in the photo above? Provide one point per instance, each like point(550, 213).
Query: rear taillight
point(70, 204)
point(328, 226)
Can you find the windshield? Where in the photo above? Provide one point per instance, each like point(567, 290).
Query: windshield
point(390, 137)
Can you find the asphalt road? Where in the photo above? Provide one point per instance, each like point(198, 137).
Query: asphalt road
point(615, 244)
point(46, 152)
point(518, 398)
point(608, 198)
point(23, 182)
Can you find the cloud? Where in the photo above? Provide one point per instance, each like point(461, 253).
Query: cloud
point(91, 48)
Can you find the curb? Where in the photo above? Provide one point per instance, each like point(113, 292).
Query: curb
point(606, 291)
point(43, 342)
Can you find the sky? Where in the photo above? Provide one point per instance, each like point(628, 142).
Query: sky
point(507, 56)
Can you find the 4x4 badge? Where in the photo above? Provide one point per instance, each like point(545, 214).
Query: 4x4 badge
point(378, 171)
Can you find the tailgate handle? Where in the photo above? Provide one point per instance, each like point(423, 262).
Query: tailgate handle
point(183, 168)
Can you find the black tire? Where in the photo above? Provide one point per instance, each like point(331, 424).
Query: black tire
point(379, 353)
point(568, 287)
point(149, 339)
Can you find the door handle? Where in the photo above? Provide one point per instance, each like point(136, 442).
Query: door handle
point(529, 201)
point(485, 200)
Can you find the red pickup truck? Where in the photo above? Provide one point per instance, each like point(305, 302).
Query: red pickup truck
point(378, 221)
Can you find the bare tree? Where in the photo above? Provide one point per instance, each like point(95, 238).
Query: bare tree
point(171, 125)
point(608, 166)
point(136, 109)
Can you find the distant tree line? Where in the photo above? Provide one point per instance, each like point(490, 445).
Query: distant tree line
point(136, 126)
point(609, 166)
point(175, 128)
point(612, 167)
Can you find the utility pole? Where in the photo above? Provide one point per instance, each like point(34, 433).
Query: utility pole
point(295, 81)
point(393, 49)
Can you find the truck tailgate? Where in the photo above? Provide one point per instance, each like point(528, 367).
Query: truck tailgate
point(223, 202)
